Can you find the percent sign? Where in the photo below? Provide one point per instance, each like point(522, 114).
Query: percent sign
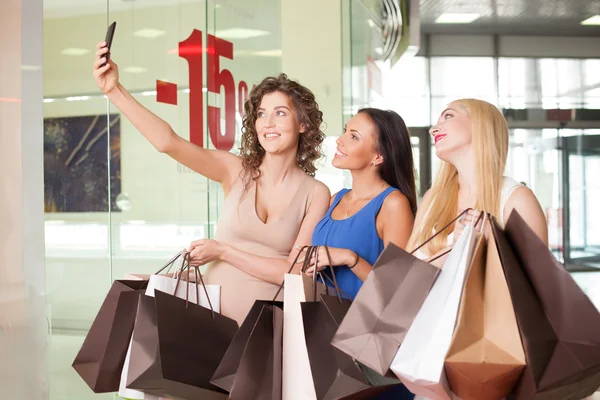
point(191, 49)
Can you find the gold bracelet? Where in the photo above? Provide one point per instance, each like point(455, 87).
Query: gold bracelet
point(355, 262)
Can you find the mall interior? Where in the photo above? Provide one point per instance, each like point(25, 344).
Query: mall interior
point(113, 205)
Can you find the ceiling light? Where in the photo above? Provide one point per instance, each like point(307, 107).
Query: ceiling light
point(595, 20)
point(456, 18)
point(269, 53)
point(74, 51)
point(77, 98)
point(30, 67)
point(378, 50)
point(135, 70)
point(49, 100)
point(240, 33)
point(149, 93)
point(149, 33)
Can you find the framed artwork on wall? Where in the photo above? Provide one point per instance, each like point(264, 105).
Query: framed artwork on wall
point(76, 163)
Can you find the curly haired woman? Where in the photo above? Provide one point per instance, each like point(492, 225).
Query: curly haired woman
point(272, 200)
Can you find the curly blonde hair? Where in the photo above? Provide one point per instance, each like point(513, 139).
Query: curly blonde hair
point(309, 115)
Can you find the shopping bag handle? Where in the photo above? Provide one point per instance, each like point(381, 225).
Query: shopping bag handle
point(339, 291)
point(187, 267)
point(441, 230)
point(170, 263)
point(309, 250)
point(482, 214)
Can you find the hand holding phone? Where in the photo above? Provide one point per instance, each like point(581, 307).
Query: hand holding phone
point(110, 32)
point(105, 74)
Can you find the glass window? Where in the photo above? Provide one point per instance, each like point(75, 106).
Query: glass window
point(460, 77)
point(549, 83)
point(406, 90)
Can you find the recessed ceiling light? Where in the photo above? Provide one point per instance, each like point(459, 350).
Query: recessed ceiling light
point(269, 53)
point(149, 33)
point(30, 67)
point(49, 100)
point(74, 51)
point(149, 93)
point(456, 18)
point(135, 70)
point(240, 33)
point(595, 20)
point(77, 98)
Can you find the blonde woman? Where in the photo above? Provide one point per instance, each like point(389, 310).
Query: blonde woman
point(471, 139)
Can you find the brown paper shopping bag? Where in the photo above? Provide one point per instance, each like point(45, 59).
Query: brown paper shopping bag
point(266, 344)
point(177, 346)
point(486, 357)
point(387, 304)
point(258, 375)
point(102, 356)
point(559, 325)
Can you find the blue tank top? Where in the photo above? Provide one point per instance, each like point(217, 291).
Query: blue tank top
point(357, 233)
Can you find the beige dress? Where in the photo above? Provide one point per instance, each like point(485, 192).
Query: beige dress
point(240, 227)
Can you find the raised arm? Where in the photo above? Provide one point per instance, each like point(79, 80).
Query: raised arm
point(217, 165)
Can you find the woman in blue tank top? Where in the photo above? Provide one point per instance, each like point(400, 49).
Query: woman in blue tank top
point(375, 147)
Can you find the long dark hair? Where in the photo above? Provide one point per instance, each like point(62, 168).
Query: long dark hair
point(307, 109)
point(393, 143)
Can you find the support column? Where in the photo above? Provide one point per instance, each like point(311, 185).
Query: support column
point(24, 328)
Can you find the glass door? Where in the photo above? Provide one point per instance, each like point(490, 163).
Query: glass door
point(559, 165)
point(422, 153)
point(581, 160)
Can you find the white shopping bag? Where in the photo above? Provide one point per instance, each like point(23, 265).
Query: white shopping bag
point(419, 363)
point(167, 284)
point(297, 380)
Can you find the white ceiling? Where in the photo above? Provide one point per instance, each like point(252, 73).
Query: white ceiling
point(72, 8)
point(535, 17)
point(518, 17)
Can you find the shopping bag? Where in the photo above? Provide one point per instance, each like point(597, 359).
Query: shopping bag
point(419, 362)
point(227, 371)
point(486, 357)
point(258, 375)
point(177, 346)
point(100, 360)
point(386, 305)
point(559, 325)
point(297, 381)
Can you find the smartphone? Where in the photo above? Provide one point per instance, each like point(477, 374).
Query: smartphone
point(110, 32)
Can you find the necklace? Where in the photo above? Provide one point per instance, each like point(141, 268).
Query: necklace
point(349, 210)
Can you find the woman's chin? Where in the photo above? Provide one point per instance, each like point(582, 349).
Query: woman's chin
point(338, 162)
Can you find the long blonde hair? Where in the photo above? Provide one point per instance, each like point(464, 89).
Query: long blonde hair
point(490, 149)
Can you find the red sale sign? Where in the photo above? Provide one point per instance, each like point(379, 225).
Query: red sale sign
point(192, 49)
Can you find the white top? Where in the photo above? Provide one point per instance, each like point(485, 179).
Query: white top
point(508, 187)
